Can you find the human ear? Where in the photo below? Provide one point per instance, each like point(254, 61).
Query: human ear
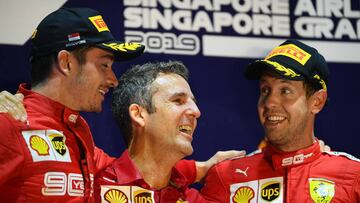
point(136, 114)
point(318, 101)
point(64, 62)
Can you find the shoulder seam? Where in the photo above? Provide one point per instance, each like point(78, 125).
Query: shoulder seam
point(222, 181)
point(343, 154)
point(253, 153)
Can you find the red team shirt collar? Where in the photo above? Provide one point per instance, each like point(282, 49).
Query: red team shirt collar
point(128, 174)
point(52, 108)
point(280, 159)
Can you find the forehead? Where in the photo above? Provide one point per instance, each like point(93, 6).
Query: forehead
point(100, 53)
point(171, 84)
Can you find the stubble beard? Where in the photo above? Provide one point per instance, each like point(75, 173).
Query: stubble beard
point(284, 138)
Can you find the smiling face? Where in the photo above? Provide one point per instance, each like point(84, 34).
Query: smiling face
point(285, 113)
point(91, 80)
point(173, 123)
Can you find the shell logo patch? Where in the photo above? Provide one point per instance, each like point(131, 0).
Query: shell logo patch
point(181, 201)
point(46, 145)
point(99, 23)
point(125, 194)
point(39, 145)
point(115, 196)
point(291, 51)
point(321, 190)
point(270, 191)
point(262, 190)
point(243, 195)
point(123, 47)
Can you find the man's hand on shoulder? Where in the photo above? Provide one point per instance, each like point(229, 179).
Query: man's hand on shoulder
point(202, 167)
point(13, 105)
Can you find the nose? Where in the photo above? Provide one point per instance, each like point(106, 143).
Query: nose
point(269, 101)
point(193, 110)
point(111, 79)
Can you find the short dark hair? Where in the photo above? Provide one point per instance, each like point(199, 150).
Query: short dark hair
point(41, 68)
point(135, 86)
point(310, 87)
point(41, 65)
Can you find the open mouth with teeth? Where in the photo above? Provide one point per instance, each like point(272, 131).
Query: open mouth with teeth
point(275, 118)
point(186, 129)
point(103, 92)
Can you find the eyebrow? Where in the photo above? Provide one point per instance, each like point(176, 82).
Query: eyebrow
point(183, 94)
point(109, 56)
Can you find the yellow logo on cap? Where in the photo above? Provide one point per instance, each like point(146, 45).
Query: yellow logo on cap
point(124, 47)
point(286, 71)
point(292, 51)
point(321, 190)
point(34, 34)
point(321, 81)
point(99, 23)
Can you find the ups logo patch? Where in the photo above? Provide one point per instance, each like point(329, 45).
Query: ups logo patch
point(143, 197)
point(58, 143)
point(270, 191)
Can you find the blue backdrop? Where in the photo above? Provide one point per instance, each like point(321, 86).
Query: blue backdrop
point(227, 101)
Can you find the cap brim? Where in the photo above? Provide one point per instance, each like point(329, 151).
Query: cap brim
point(123, 51)
point(255, 70)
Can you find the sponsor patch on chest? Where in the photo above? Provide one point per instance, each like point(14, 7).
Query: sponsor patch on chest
point(47, 145)
point(264, 190)
point(321, 190)
point(126, 194)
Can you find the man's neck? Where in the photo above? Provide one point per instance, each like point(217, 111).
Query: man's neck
point(154, 167)
point(55, 89)
point(295, 144)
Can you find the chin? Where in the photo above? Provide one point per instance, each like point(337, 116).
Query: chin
point(277, 140)
point(96, 108)
point(188, 151)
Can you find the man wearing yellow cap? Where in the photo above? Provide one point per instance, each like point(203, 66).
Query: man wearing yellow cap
point(293, 80)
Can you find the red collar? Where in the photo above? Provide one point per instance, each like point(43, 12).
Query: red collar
point(128, 174)
point(280, 159)
point(44, 105)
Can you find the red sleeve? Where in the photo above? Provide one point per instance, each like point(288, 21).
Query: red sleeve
point(11, 152)
point(213, 189)
point(101, 159)
point(357, 190)
point(193, 196)
point(188, 169)
point(104, 177)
